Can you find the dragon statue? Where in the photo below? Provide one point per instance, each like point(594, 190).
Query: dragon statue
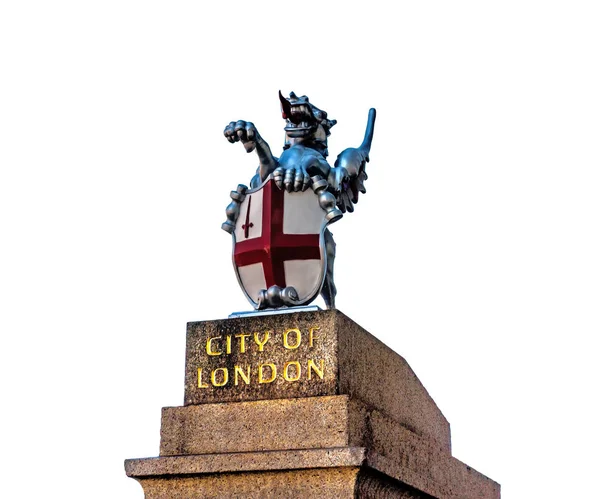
point(304, 162)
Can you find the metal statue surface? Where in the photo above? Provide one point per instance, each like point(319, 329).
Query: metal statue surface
point(283, 252)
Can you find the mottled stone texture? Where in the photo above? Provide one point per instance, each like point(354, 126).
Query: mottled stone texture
point(354, 363)
point(329, 483)
point(307, 423)
point(360, 425)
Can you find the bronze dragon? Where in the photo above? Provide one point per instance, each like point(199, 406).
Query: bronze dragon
point(304, 158)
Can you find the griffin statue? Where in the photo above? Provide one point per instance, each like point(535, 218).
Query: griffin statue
point(303, 164)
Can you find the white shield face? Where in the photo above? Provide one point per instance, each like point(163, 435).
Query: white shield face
point(278, 240)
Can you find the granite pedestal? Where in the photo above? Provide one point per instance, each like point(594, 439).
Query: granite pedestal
point(305, 404)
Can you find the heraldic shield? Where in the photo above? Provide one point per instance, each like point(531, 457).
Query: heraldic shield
point(278, 245)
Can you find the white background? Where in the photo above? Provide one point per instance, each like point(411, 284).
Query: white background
point(475, 253)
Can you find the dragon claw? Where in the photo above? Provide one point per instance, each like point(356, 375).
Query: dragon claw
point(278, 177)
point(306, 183)
point(289, 179)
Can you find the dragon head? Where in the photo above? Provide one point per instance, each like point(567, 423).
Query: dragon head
point(305, 123)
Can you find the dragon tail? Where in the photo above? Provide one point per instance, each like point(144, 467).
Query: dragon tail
point(365, 147)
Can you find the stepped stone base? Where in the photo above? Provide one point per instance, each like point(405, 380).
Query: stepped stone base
point(359, 424)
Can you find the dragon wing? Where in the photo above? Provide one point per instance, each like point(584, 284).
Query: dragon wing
point(348, 175)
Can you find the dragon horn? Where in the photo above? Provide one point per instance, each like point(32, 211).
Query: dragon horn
point(366, 145)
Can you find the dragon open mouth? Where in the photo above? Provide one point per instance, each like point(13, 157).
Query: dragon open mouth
point(299, 116)
point(302, 129)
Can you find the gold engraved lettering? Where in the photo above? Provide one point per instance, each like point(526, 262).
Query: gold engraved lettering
point(200, 384)
point(245, 376)
point(311, 335)
point(209, 349)
point(285, 338)
point(261, 344)
point(313, 367)
point(286, 367)
point(213, 376)
point(228, 344)
point(242, 338)
point(261, 379)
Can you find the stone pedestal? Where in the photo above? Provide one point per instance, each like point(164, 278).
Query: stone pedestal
point(305, 404)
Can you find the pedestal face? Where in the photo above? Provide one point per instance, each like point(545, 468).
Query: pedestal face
point(306, 355)
point(302, 404)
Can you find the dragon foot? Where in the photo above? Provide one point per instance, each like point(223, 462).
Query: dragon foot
point(276, 297)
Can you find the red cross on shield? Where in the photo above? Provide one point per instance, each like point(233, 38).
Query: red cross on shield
point(278, 240)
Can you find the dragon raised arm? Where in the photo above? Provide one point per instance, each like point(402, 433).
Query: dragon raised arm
point(246, 132)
